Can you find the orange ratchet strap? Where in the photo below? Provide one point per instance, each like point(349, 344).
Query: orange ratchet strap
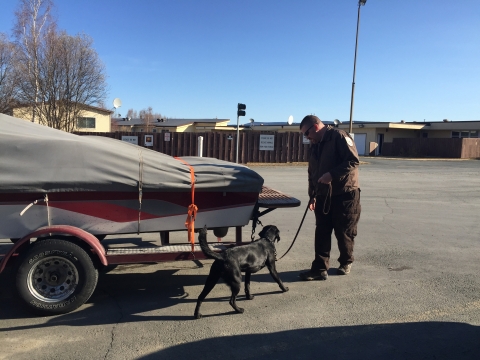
point(192, 208)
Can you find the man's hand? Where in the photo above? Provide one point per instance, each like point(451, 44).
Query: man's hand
point(311, 204)
point(325, 178)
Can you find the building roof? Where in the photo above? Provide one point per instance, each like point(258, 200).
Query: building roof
point(93, 108)
point(377, 124)
point(277, 124)
point(165, 122)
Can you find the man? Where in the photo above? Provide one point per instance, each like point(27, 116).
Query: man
point(334, 194)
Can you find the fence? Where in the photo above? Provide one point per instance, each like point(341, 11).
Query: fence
point(287, 147)
point(433, 147)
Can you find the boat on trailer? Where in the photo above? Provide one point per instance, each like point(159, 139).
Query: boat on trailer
point(61, 193)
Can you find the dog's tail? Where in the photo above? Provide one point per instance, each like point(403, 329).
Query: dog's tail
point(202, 239)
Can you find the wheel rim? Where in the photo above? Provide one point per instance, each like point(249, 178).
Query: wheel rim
point(52, 279)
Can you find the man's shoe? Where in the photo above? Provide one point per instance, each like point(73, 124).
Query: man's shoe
point(314, 275)
point(344, 269)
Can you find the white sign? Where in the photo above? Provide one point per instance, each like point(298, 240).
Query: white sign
point(267, 142)
point(148, 140)
point(130, 139)
point(166, 136)
point(305, 140)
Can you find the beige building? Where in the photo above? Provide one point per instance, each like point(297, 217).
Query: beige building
point(370, 136)
point(92, 119)
point(170, 125)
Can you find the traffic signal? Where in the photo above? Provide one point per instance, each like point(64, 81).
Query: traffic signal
point(241, 109)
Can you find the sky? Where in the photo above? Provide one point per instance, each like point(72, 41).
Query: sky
point(417, 60)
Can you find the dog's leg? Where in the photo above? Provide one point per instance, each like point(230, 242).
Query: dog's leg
point(273, 272)
point(247, 286)
point(233, 299)
point(234, 280)
point(212, 280)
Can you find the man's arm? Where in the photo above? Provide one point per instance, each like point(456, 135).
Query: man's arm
point(347, 151)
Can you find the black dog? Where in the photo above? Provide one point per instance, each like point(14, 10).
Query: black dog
point(230, 263)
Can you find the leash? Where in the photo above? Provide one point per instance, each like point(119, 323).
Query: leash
point(295, 238)
point(326, 210)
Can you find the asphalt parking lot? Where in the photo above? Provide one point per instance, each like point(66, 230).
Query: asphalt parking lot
point(414, 290)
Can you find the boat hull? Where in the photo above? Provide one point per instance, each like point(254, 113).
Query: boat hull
point(122, 213)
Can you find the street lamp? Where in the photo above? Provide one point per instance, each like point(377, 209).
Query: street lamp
point(360, 3)
point(240, 112)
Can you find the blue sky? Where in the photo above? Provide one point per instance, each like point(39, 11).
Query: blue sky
point(417, 59)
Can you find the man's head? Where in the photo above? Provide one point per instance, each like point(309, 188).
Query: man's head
point(312, 127)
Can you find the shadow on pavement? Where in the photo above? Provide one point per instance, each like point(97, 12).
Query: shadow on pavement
point(421, 340)
point(119, 296)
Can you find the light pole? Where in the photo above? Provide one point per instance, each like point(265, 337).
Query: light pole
point(240, 112)
point(360, 3)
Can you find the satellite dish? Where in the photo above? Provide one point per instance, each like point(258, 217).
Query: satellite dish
point(290, 120)
point(117, 103)
point(336, 122)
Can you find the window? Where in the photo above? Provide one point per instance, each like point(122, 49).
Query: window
point(86, 123)
point(465, 134)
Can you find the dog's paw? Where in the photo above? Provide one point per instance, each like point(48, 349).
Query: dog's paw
point(198, 316)
point(240, 310)
point(250, 297)
point(285, 290)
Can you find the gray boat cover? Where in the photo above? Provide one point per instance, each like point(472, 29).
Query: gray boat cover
point(36, 158)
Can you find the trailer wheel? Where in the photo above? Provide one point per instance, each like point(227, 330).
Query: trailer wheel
point(55, 277)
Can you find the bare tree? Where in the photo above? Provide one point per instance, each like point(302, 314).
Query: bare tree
point(8, 80)
point(71, 76)
point(33, 22)
point(147, 116)
point(132, 114)
point(60, 73)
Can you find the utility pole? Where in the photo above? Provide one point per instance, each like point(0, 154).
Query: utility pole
point(360, 3)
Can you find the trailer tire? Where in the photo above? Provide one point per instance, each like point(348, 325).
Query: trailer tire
point(55, 277)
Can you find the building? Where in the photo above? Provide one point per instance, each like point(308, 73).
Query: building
point(370, 137)
point(91, 119)
point(170, 125)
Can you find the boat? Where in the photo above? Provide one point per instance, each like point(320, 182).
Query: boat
point(105, 186)
point(61, 194)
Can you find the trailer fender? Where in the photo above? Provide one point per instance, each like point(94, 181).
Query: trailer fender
point(83, 235)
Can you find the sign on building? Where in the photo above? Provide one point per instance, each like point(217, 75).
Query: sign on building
point(148, 140)
point(305, 140)
point(166, 136)
point(130, 139)
point(267, 142)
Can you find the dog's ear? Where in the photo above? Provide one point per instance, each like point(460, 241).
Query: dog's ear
point(277, 233)
point(270, 232)
point(265, 233)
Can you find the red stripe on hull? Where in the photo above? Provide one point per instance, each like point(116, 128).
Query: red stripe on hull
point(107, 206)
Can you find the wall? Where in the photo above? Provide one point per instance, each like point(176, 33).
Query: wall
point(102, 121)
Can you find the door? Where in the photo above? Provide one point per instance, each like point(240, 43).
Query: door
point(361, 143)
point(378, 150)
